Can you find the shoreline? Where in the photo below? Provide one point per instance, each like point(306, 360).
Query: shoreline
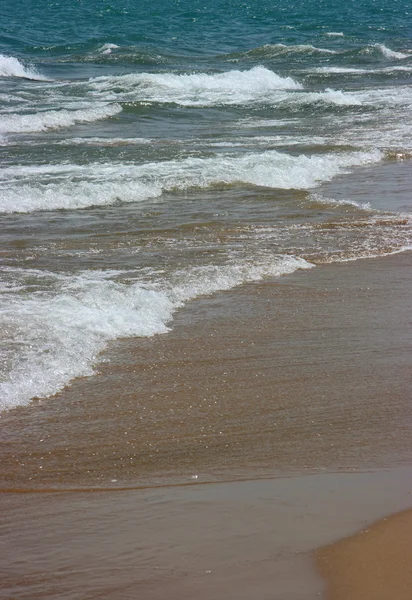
point(312, 368)
point(206, 357)
point(321, 352)
point(221, 540)
point(308, 372)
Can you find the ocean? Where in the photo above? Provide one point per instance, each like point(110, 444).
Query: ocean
point(205, 229)
point(154, 152)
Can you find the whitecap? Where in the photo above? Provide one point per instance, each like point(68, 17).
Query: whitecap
point(107, 141)
point(196, 89)
point(26, 189)
point(55, 119)
point(274, 50)
point(358, 71)
point(339, 70)
point(329, 96)
point(12, 67)
point(319, 199)
point(107, 48)
point(60, 334)
point(388, 53)
point(73, 195)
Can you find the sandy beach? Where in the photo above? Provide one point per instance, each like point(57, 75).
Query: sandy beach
point(305, 374)
point(373, 564)
point(226, 540)
point(195, 515)
point(205, 292)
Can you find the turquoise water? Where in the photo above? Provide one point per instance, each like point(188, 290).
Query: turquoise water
point(154, 152)
point(196, 28)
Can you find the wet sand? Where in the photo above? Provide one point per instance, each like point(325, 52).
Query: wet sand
point(224, 541)
point(214, 460)
point(309, 372)
point(373, 564)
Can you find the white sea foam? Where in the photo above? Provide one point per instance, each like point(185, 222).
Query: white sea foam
point(335, 34)
point(55, 119)
point(358, 71)
point(107, 48)
point(59, 335)
point(319, 199)
point(251, 122)
point(397, 68)
point(339, 70)
point(197, 89)
point(302, 49)
point(270, 140)
point(282, 50)
point(329, 96)
point(388, 53)
point(12, 67)
point(108, 141)
point(389, 97)
point(74, 195)
point(256, 86)
point(197, 281)
point(277, 50)
point(103, 184)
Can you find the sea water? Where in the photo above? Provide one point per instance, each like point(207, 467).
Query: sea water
point(155, 152)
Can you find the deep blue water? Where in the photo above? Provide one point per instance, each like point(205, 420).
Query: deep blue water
point(196, 27)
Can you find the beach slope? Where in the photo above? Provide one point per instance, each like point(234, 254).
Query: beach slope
point(374, 564)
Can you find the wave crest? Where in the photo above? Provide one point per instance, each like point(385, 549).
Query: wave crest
point(269, 51)
point(64, 332)
point(388, 53)
point(197, 89)
point(55, 119)
point(104, 184)
point(12, 67)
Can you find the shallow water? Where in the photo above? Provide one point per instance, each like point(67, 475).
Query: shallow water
point(223, 541)
point(306, 375)
point(205, 241)
point(154, 154)
point(309, 373)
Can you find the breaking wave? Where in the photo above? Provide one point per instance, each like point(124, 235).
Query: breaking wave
point(274, 51)
point(387, 52)
point(55, 119)
point(12, 67)
point(197, 89)
point(104, 184)
point(60, 334)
